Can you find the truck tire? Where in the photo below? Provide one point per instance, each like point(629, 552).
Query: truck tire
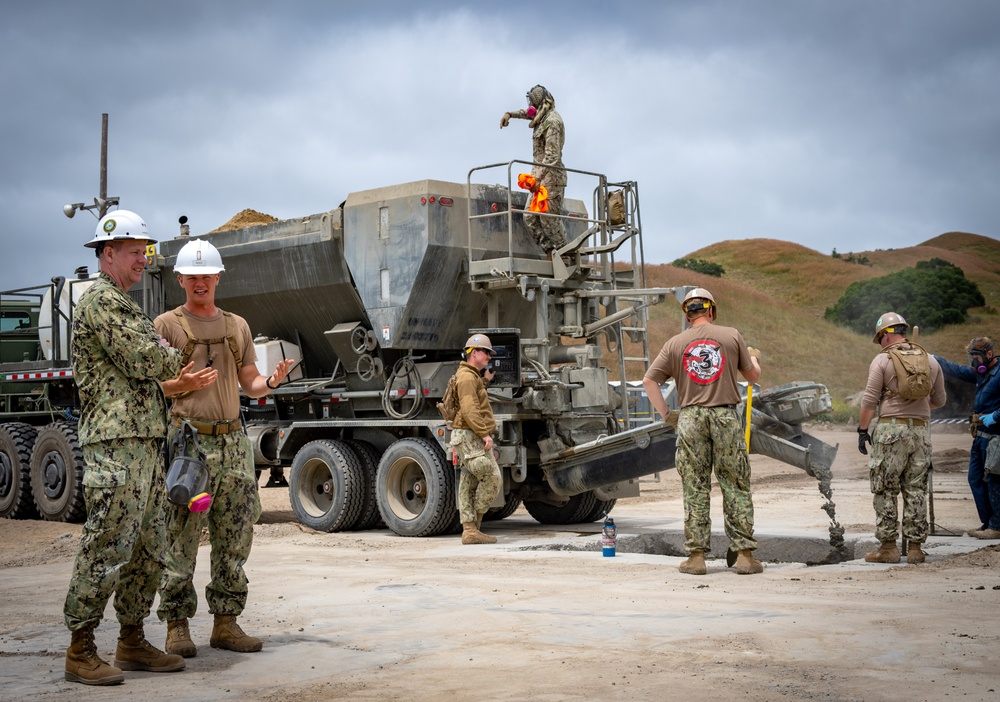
point(510, 505)
point(573, 512)
point(368, 455)
point(326, 486)
point(415, 487)
point(601, 508)
point(16, 440)
point(57, 474)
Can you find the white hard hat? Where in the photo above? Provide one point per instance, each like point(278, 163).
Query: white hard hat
point(120, 225)
point(198, 257)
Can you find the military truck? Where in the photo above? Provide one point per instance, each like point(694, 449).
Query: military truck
point(41, 465)
point(376, 297)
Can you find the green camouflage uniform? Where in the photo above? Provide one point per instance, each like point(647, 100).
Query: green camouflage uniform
point(479, 483)
point(712, 438)
point(118, 364)
point(900, 462)
point(480, 480)
point(232, 482)
point(235, 509)
point(547, 138)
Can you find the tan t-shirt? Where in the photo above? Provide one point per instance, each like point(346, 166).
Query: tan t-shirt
point(704, 361)
point(882, 378)
point(221, 399)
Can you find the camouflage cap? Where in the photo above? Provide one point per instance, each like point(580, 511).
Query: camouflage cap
point(536, 96)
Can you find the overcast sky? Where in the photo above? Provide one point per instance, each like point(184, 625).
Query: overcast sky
point(856, 124)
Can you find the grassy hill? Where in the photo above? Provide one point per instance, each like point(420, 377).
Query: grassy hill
point(775, 293)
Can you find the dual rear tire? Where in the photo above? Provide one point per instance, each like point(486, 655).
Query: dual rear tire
point(41, 472)
point(345, 485)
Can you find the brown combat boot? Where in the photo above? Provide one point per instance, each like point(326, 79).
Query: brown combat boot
point(746, 564)
point(695, 564)
point(227, 634)
point(83, 665)
point(135, 653)
point(986, 534)
point(888, 552)
point(179, 639)
point(472, 535)
point(914, 554)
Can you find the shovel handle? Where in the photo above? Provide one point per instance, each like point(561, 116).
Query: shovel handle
point(749, 413)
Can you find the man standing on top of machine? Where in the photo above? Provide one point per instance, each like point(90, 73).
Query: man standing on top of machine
point(220, 346)
point(548, 137)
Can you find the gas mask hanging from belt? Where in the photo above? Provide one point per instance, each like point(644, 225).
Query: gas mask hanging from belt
point(187, 477)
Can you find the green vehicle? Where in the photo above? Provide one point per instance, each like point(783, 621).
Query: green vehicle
point(41, 464)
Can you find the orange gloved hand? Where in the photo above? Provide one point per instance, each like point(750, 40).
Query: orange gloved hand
point(540, 202)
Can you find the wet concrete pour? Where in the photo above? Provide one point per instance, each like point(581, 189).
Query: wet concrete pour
point(772, 548)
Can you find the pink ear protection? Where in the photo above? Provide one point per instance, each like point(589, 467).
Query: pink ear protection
point(532, 112)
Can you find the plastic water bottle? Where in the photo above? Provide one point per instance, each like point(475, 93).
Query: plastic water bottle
point(609, 539)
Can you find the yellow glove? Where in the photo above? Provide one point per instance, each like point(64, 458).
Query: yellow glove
point(754, 353)
point(505, 120)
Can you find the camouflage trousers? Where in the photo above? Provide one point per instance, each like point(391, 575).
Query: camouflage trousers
point(235, 509)
point(549, 232)
point(711, 438)
point(480, 480)
point(900, 463)
point(122, 544)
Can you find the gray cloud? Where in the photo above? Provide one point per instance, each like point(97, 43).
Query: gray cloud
point(857, 125)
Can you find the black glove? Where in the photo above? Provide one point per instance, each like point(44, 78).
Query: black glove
point(863, 436)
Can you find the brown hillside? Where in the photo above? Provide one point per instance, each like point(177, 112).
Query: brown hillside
point(776, 292)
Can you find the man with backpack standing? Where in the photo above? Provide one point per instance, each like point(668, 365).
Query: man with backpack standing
point(904, 384)
point(472, 439)
point(219, 357)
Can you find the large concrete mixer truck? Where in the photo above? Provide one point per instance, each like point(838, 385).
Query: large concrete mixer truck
point(375, 299)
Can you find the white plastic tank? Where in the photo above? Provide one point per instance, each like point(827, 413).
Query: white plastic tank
point(271, 351)
point(72, 289)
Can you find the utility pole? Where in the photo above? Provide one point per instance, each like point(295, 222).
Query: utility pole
point(104, 166)
point(102, 202)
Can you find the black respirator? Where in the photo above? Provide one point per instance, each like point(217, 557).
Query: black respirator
point(187, 478)
point(978, 362)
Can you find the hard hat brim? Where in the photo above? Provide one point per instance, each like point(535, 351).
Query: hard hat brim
point(92, 244)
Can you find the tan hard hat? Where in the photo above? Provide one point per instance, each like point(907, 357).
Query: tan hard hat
point(889, 319)
point(479, 341)
point(698, 294)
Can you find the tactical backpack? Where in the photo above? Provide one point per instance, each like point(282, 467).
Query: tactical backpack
point(913, 371)
point(449, 405)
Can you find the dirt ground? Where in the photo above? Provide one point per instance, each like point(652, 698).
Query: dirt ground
point(542, 615)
